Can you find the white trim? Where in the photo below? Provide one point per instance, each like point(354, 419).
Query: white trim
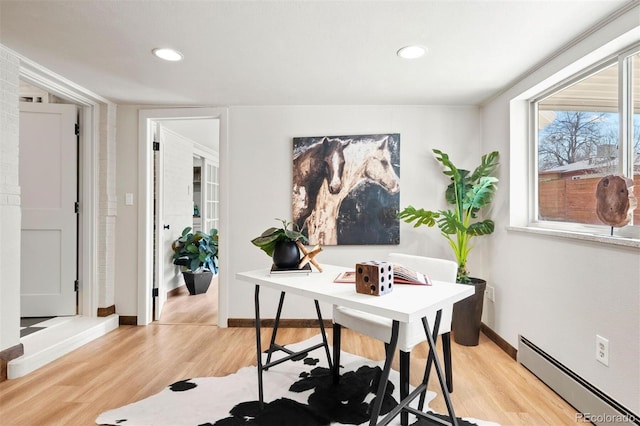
point(145, 216)
point(53, 342)
point(44, 78)
point(584, 236)
point(206, 152)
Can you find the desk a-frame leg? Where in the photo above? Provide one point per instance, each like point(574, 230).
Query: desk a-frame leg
point(421, 389)
point(384, 377)
point(259, 346)
point(273, 345)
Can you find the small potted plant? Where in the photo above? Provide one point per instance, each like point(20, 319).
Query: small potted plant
point(280, 244)
point(197, 255)
point(467, 193)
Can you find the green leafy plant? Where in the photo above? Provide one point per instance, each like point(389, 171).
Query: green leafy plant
point(268, 239)
point(467, 193)
point(196, 251)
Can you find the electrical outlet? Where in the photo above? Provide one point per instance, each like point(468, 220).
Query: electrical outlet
point(602, 350)
point(491, 293)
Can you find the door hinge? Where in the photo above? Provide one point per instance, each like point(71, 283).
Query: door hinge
point(77, 129)
point(156, 146)
point(76, 207)
point(154, 292)
point(76, 285)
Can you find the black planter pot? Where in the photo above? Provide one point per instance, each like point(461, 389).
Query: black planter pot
point(467, 316)
point(197, 282)
point(286, 254)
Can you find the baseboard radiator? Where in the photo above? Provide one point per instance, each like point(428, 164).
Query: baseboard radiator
point(593, 405)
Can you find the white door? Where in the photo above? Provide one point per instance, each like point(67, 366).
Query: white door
point(49, 191)
point(174, 208)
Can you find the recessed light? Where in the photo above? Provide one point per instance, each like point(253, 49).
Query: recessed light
point(412, 52)
point(167, 54)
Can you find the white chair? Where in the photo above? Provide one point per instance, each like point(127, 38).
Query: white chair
point(411, 334)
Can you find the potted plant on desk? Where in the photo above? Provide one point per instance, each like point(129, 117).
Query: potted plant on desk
point(467, 193)
point(197, 255)
point(280, 245)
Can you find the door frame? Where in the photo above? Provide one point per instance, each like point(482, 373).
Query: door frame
point(146, 118)
point(89, 118)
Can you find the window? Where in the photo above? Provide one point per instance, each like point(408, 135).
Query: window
point(584, 129)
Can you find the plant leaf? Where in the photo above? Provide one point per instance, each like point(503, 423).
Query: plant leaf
point(446, 162)
point(266, 239)
point(457, 189)
point(488, 163)
point(270, 231)
point(485, 227)
point(480, 195)
point(421, 217)
point(195, 264)
point(449, 223)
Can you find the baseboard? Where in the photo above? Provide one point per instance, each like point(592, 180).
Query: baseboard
point(176, 291)
point(105, 312)
point(499, 341)
point(128, 320)
point(8, 355)
point(285, 323)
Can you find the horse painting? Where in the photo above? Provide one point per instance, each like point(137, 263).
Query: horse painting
point(314, 165)
point(367, 161)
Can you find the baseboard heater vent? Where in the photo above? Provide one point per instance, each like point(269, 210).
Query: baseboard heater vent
point(592, 404)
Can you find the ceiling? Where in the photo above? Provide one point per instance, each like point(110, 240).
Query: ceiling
point(295, 52)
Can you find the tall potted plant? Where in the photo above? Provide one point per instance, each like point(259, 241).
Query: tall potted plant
point(197, 254)
point(467, 193)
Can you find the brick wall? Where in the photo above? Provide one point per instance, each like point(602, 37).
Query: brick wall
point(178, 196)
point(568, 200)
point(9, 201)
point(9, 127)
point(107, 206)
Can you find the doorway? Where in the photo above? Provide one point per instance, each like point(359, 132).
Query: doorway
point(180, 307)
point(61, 335)
point(185, 122)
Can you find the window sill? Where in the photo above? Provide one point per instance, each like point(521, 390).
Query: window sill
point(601, 239)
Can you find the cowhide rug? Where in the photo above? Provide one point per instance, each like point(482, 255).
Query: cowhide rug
point(296, 393)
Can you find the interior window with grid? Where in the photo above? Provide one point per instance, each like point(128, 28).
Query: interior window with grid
point(585, 129)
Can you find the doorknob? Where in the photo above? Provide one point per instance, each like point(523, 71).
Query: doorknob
point(167, 226)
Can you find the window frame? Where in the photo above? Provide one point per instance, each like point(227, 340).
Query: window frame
point(622, 58)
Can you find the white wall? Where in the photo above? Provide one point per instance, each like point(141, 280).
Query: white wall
point(557, 292)
point(260, 173)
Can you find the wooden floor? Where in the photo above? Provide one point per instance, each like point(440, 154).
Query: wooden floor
point(132, 363)
point(181, 308)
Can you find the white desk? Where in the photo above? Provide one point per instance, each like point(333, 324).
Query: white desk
point(406, 303)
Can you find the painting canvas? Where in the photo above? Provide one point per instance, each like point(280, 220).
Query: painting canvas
point(346, 189)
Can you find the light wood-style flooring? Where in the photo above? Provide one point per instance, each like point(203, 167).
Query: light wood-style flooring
point(132, 363)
